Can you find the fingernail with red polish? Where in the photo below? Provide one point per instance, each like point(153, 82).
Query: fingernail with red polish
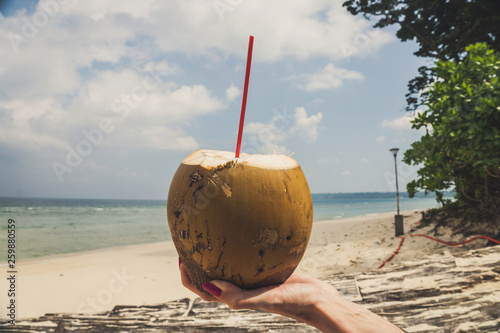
point(212, 289)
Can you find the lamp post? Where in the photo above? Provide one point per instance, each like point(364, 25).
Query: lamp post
point(398, 219)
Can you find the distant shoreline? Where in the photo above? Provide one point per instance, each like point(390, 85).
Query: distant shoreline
point(318, 195)
point(51, 227)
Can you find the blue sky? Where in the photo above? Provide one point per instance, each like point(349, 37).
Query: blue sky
point(104, 99)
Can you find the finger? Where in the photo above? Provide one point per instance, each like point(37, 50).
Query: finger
point(237, 298)
point(224, 291)
point(186, 282)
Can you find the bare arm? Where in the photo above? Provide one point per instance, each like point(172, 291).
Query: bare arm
point(303, 298)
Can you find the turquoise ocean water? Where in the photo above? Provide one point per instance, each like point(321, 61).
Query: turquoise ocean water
point(57, 226)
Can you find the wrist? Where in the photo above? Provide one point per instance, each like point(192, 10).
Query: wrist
point(336, 314)
point(329, 314)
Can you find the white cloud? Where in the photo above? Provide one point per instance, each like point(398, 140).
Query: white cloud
point(265, 137)
point(316, 102)
point(47, 59)
point(158, 137)
point(364, 160)
point(302, 30)
point(306, 127)
point(149, 118)
point(402, 123)
point(380, 139)
point(77, 35)
point(327, 78)
point(103, 9)
point(323, 160)
point(269, 137)
point(232, 92)
point(162, 68)
point(346, 173)
point(297, 31)
point(115, 60)
point(56, 61)
point(144, 113)
point(31, 124)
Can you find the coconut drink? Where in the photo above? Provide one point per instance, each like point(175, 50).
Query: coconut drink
point(246, 220)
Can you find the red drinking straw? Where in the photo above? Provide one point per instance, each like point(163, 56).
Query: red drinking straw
point(245, 93)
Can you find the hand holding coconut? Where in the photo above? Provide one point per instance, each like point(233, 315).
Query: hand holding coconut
point(303, 298)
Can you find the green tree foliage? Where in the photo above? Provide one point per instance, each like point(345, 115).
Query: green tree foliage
point(443, 29)
point(461, 146)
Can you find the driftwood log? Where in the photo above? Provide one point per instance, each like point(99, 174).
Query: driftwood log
point(445, 293)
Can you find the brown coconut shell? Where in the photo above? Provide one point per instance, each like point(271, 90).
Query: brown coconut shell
point(239, 220)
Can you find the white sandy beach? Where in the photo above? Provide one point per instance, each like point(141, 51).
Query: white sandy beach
point(148, 274)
